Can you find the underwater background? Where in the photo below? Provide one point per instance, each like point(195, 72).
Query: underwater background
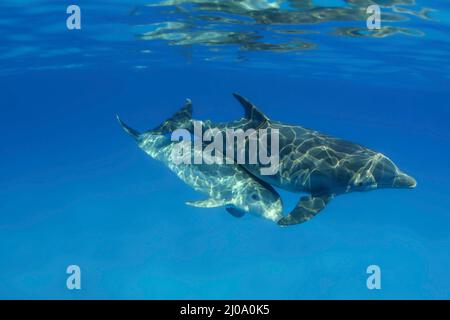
point(75, 189)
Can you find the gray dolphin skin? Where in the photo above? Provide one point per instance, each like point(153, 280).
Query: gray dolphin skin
point(323, 166)
point(225, 185)
point(317, 164)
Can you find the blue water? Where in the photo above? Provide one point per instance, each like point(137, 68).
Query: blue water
point(74, 189)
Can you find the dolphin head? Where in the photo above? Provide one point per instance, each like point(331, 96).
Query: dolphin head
point(266, 204)
point(259, 199)
point(382, 173)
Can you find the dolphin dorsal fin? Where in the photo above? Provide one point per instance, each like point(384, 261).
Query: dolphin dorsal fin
point(251, 112)
point(185, 113)
point(179, 119)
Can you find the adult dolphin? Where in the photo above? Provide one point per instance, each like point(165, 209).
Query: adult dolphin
point(323, 166)
point(225, 185)
point(315, 163)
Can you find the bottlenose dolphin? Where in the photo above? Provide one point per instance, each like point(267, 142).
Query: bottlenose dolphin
point(225, 185)
point(318, 164)
point(323, 166)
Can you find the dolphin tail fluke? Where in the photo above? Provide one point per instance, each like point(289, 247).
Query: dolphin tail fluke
point(251, 112)
point(135, 134)
point(179, 120)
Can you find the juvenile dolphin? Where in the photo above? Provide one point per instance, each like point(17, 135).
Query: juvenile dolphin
point(320, 165)
point(225, 185)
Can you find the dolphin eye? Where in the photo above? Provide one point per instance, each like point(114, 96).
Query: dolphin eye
point(255, 197)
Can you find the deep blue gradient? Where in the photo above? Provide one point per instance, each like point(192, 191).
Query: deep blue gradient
point(75, 189)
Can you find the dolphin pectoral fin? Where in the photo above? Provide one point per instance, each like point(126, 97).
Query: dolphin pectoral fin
point(208, 203)
point(306, 209)
point(235, 212)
